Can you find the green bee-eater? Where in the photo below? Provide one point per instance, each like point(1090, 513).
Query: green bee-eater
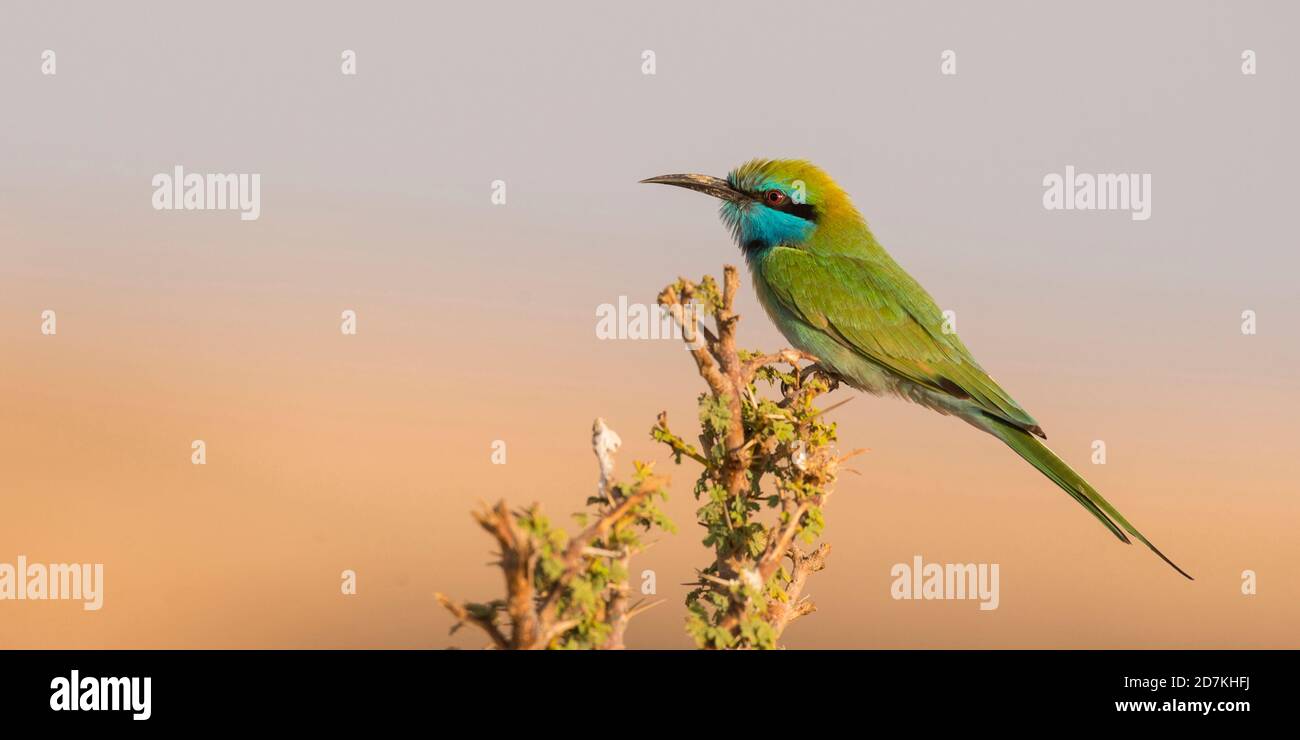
point(835, 293)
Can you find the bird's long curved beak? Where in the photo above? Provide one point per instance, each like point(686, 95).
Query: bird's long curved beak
point(707, 184)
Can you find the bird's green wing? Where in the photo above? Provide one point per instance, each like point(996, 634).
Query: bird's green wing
point(871, 306)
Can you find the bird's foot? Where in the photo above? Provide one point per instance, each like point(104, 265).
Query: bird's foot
point(832, 381)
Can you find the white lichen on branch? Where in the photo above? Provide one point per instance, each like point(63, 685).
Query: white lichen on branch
point(604, 442)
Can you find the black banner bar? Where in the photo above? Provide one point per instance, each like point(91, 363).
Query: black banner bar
point(245, 688)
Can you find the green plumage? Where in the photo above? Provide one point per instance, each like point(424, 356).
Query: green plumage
point(835, 293)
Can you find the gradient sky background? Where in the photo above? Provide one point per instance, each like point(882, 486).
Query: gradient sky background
point(476, 322)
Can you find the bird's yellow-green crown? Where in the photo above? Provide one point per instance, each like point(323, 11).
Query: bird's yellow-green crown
point(798, 178)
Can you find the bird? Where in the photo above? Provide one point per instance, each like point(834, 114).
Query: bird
point(835, 293)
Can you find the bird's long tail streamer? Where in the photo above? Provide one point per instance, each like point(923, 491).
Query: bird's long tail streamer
point(1038, 455)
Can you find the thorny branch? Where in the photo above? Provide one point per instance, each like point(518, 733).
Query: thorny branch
point(756, 453)
point(562, 591)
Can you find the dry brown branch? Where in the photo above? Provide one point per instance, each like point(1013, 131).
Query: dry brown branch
point(751, 439)
point(573, 554)
point(539, 603)
point(782, 613)
point(517, 561)
point(463, 616)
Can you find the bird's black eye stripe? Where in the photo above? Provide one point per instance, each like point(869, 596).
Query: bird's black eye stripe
point(806, 211)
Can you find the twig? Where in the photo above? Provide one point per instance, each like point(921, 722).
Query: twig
point(572, 557)
point(747, 455)
point(463, 616)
